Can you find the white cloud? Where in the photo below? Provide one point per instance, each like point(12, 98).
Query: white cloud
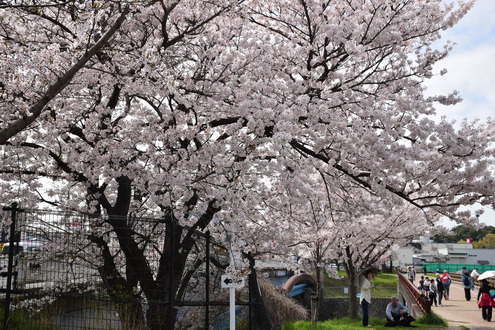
point(471, 65)
point(472, 73)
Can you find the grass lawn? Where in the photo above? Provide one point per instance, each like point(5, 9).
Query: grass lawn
point(428, 322)
point(22, 320)
point(385, 285)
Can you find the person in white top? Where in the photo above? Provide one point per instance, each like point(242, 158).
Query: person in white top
point(433, 292)
point(475, 274)
point(365, 297)
point(426, 287)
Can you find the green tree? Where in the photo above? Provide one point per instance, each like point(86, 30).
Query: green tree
point(461, 233)
point(487, 242)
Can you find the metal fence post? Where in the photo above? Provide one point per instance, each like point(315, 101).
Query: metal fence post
point(171, 275)
point(207, 279)
point(251, 282)
point(6, 312)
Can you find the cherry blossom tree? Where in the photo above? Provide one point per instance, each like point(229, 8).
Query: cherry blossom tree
point(358, 67)
point(194, 110)
point(139, 131)
point(36, 32)
point(332, 219)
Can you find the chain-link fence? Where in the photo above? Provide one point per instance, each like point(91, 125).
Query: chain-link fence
point(343, 292)
point(77, 271)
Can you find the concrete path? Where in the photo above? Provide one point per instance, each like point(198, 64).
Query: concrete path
point(462, 314)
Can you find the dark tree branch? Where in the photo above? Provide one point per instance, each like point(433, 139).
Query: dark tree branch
point(53, 90)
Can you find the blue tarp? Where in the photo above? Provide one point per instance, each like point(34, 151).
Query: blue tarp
point(298, 289)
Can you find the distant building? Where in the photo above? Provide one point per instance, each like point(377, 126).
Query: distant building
point(426, 251)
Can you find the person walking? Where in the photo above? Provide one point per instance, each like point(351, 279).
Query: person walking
point(426, 287)
point(411, 274)
point(446, 280)
point(485, 300)
point(475, 274)
point(421, 286)
point(467, 285)
point(433, 292)
point(440, 290)
point(365, 297)
point(425, 270)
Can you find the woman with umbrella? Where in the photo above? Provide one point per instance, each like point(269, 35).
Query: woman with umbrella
point(485, 300)
point(365, 297)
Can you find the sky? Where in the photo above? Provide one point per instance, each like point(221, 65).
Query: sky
point(471, 71)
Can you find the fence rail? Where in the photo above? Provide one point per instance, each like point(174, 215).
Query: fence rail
point(458, 277)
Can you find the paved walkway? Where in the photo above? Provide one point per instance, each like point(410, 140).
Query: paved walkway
point(462, 314)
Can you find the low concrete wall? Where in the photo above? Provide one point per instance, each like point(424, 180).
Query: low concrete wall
point(339, 307)
point(408, 300)
point(71, 312)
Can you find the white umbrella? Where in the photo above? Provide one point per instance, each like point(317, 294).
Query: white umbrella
point(487, 274)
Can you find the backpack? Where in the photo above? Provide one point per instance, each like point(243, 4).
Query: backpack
point(466, 281)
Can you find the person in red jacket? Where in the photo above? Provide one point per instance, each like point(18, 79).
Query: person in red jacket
point(446, 282)
point(485, 300)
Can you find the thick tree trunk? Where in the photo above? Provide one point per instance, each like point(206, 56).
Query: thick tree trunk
point(163, 289)
point(120, 291)
point(160, 314)
point(316, 298)
point(158, 317)
point(353, 301)
point(131, 315)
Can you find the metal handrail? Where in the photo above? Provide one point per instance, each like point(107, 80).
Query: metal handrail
point(413, 292)
point(457, 278)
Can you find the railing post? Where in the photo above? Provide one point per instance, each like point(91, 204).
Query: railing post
point(10, 266)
